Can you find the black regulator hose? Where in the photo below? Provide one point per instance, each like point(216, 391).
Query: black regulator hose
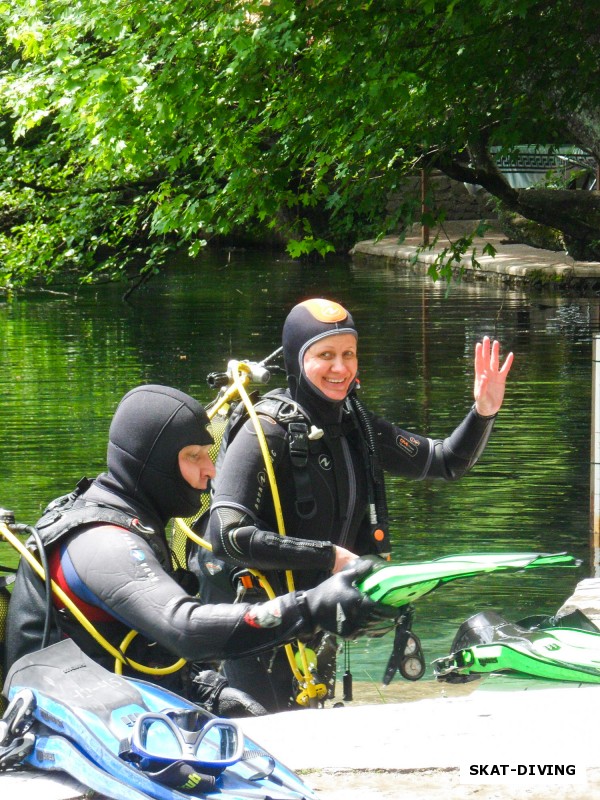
point(376, 472)
point(8, 518)
point(33, 532)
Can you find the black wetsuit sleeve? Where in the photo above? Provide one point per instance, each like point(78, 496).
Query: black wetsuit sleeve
point(241, 501)
point(120, 572)
point(418, 457)
point(235, 538)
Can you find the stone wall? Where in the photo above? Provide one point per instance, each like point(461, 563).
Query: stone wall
point(458, 201)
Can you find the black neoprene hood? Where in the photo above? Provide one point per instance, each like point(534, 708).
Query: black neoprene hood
point(306, 323)
point(151, 425)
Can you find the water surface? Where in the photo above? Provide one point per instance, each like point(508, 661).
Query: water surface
point(67, 360)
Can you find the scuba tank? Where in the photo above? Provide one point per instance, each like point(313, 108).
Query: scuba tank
point(5, 581)
point(4, 601)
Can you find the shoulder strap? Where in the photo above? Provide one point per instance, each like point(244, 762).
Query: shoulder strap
point(65, 501)
point(375, 479)
point(72, 511)
point(291, 416)
point(298, 444)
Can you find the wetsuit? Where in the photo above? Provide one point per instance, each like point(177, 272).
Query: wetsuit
point(107, 548)
point(243, 520)
point(334, 508)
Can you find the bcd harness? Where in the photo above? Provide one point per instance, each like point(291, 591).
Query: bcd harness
point(304, 438)
point(60, 517)
point(71, 511)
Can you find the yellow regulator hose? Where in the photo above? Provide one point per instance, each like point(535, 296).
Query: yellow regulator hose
point(239, 373)
point(119, 657)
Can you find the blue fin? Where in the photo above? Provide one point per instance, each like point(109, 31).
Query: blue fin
point(55, 753)
point(95, 710)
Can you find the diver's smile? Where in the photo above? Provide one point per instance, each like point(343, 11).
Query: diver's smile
point(331, 364)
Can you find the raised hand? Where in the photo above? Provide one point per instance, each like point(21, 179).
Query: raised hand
point(490, 378)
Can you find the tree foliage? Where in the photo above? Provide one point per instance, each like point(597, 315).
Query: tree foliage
point(128, 129)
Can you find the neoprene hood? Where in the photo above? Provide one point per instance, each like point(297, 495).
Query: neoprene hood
point(151, 425)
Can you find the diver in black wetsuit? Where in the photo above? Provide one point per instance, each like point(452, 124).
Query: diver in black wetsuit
point(107, 549)
point(328, 489)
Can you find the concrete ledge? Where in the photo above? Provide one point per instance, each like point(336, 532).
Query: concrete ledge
point(512, 261)
point(586, 598)
point(494, 722)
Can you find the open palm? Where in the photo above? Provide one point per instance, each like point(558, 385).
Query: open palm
point(490, 377)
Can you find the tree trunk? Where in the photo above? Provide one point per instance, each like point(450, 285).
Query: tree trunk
point(575, 213)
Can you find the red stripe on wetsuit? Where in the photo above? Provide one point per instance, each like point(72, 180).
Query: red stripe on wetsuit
point(93, 613)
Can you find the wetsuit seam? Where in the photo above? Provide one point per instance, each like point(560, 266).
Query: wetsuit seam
point(235, 506)
point(482, 416)
point(427, 464)
point(351, 473)
point(225, 538)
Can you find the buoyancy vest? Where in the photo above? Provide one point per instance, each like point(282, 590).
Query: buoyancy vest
point(303, 438)
point(86, 506)
point(295, 420)
point(62, 517)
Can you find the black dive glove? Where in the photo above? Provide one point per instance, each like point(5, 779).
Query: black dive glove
point(337, 606)
point(212, 692)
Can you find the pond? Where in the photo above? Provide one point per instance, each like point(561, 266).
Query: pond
point(68, 359)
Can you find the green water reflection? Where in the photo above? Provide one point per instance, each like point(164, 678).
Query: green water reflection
point(67, 361)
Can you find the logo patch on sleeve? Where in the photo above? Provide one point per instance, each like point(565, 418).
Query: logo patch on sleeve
point(264, 615)
point(409, 446)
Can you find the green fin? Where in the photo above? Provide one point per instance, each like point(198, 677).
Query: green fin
point(562, 654)
point(400, 584)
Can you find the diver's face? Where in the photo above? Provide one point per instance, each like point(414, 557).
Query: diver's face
point(331, 364)
point(196, 466)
